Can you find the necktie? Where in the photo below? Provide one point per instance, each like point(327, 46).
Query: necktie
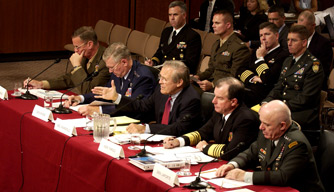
point(292, 63)
point(223, 124)
point(173, 38)
point(165, 116)
point(272, 148)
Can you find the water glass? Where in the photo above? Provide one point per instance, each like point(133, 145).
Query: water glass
point(113, 125)
point(48, 101)
point(101, 127)
point(17, 86)
point(135, 140)
point(185, 170)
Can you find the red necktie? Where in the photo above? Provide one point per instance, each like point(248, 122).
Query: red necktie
point(165, 116)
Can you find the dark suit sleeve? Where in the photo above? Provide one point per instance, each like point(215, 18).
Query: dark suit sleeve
point(194, 48)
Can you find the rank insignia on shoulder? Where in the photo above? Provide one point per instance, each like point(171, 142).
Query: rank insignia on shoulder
point(225, 53)
point(287, 138)
point(292, 144)
point(315, 68)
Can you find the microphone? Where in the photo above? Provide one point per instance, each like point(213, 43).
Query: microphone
point(27, 95)
point(139, 97)
point(143, 152)
point(63, 110)
point(198, 184)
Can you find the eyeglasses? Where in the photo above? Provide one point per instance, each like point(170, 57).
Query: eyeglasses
point(79, 46)
point(113, 67)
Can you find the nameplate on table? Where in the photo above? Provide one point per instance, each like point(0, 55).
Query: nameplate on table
point(165, 175)
point(111, 149)
point(3, 93)
point(65, 128)
point(42, 113)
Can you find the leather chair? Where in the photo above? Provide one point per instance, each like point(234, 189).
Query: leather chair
point(206, 105)
point(154, 26)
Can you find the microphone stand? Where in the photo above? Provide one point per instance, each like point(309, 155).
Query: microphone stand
point(27, 95)
point(198, 184)
point(63, 110)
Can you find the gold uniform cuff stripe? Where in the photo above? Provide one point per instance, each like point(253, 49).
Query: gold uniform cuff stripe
point(216, 150)
point(245, 75)
point(156, 59)
point(261, 68)
point(194, 137)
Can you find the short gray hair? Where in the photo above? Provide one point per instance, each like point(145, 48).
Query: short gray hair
point(181, 71)
point(180, 4)
point(117, 51)
point(86, 33)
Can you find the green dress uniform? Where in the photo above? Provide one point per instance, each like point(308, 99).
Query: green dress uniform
point(226, 60)
point(70, 79)
point(299, 86)
point(290, 163)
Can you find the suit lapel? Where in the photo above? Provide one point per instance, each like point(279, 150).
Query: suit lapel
point(297, 66)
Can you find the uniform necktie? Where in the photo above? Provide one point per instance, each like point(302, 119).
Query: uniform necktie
point(165, 116)
point(173, 37)
point(223, 124)
point(292, 62)
point(272, 148)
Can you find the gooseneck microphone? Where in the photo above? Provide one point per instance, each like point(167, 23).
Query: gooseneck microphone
point(63, 110)
point(27, 95)
point(198, 184)
point(139, 97)
point(143, 152)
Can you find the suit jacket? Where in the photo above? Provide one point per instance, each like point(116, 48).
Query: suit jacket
point(226, 60)
point(268, 70)
point(140, 81)
point(227, 5)
point(282, 39)
point(299, 86)
point(291, 163)
point(70, 80)
point(186, 104)
point(321, 48)
point(187, 47)
point(241, 126)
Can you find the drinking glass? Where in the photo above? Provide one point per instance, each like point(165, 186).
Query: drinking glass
point(185, 170)
point(135, 140)
point(101, 127)
point(17, 86)
point(48, 101)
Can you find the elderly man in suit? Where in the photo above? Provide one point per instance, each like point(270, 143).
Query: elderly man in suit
point(231, 123)
point(300, 81)
point(281, 150)
point(318, 45)
point(131, 79)
point(86, 59)
point(174, 105)
point(178, 42)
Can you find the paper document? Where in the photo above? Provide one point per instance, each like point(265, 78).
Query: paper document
point(75, 108)
point(124, 120)
point(177, 150)
point(41, 93)
point(100, 103)
point(81, 122)
point(227, 183)
point(208, 174)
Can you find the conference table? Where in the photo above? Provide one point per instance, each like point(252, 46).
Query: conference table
point(35, 157)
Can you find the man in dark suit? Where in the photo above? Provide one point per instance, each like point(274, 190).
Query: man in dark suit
point(318, 45)
point(178, 42)
point(207, 9)
point(228, 53)
point(131, 79)
point(231, 123)
point(300, 81)
point(276, 16)
point(86, 59)
point(264, 69)
point(174, 105)
point(281, 150)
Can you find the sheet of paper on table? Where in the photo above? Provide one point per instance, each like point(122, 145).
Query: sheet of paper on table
point(41, 93)
point(177, 150)
point(100, 103)
point(80, 122)
point(227, 183)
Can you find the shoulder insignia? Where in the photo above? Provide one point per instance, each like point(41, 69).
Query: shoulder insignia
point(287, 138)
point(316, 62)
point(292, 144)
point(315, 68)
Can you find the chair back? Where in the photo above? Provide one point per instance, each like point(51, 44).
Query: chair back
point(154, 26)
point(209, 40)
point(207, 105)
point(152, 46)
point(119, 34)
point(137, 41)
point(102, 30)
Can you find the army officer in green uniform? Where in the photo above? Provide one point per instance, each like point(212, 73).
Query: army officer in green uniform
point(282, 152)
point(300, 81)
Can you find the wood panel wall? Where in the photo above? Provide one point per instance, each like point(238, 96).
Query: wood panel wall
point(47, 25)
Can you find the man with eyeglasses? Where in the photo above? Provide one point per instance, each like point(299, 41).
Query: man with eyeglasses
point(300, 81)
point(86, 59)
point(130, 77)
point(174, 105)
